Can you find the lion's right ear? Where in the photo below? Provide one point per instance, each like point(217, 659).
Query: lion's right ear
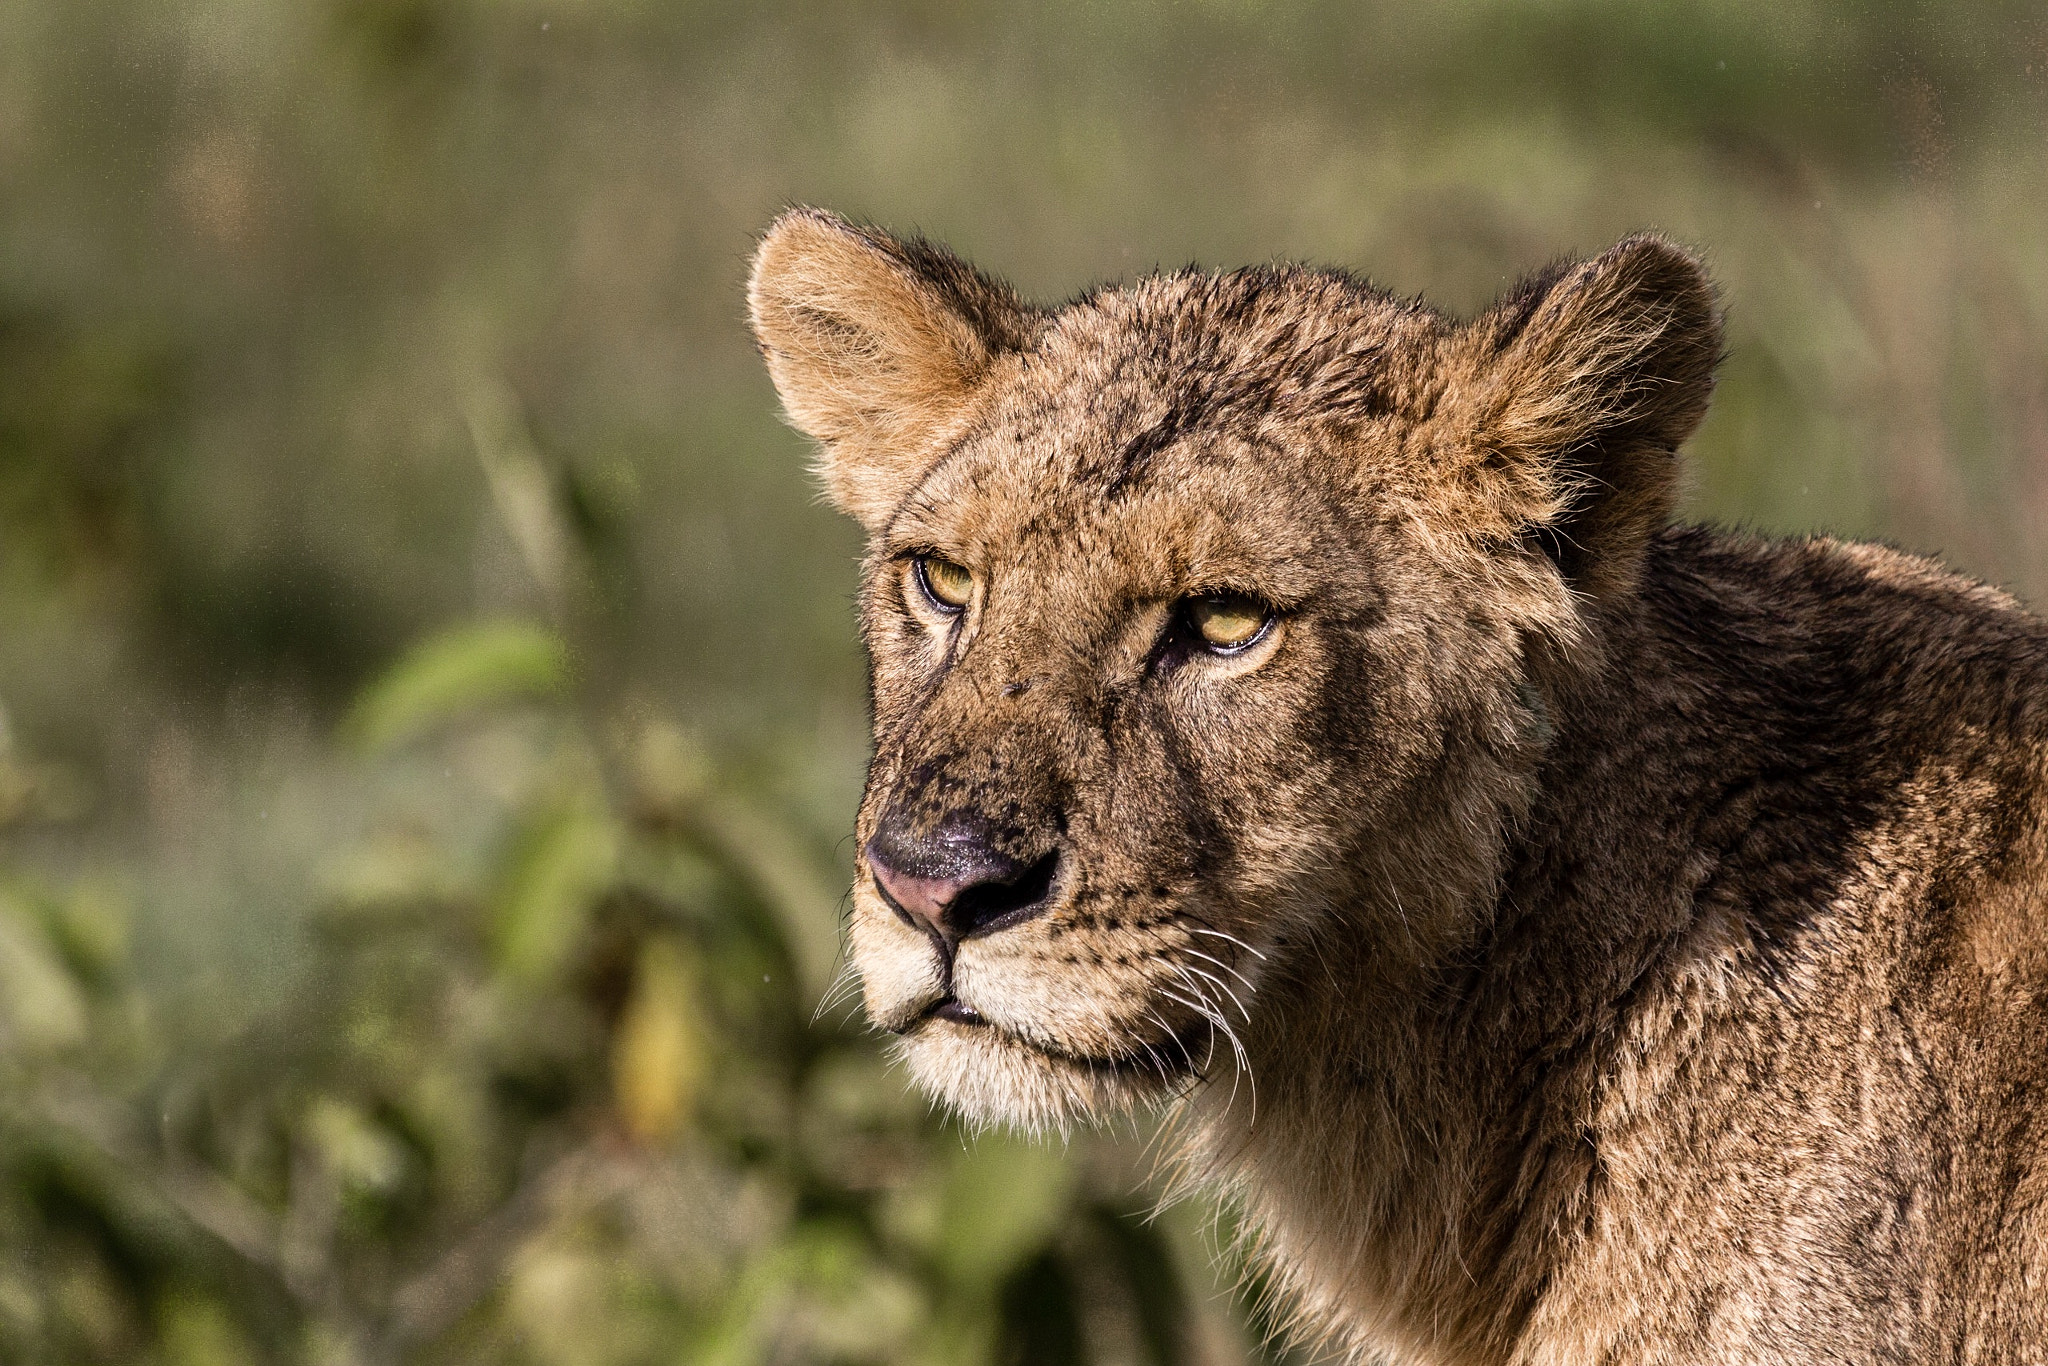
point(876, 345)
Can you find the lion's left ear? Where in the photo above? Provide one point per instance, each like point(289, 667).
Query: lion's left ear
point(1589, 377)
point(876, 346)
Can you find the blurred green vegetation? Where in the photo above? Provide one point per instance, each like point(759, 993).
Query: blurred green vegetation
point(550, 1084)
point(430, 715)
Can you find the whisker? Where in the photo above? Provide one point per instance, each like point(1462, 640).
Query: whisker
point(1201, 991)
point(1228, 938)
point(1243, 1057)
point(1166, 1033)
point(1203, 1007)
point(1218, 983)
point(1165, 1029)
point(1191, 949)
point(1208, 1055)
point(1199, 1005)
point(844, 984)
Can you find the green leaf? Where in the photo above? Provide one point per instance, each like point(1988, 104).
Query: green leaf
point(90, 926)
point(561, 866)
point(455, 673)
point(359, 1153)
point(41, 1005)
point(658, 1052)
point(197, 1330)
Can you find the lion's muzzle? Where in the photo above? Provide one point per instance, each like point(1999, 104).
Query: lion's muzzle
point(955, 881)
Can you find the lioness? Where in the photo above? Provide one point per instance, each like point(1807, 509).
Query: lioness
point(1570, 937)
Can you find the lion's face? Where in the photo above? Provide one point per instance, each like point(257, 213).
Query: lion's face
point(1110, 736)
point(1180, 601)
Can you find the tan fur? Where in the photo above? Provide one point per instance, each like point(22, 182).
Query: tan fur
point(871, 355)
point(1569, 938)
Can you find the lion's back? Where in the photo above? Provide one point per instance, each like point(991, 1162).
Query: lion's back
point(1833, 759)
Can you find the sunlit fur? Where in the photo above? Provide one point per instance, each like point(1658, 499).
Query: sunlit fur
point(1567, 937)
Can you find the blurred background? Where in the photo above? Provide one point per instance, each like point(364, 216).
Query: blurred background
point(430, 717)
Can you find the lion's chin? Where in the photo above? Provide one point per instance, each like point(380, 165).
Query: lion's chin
point(991, 1076)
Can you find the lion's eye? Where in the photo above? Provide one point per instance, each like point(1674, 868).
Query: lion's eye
point(1227, 622)
point(947, 584)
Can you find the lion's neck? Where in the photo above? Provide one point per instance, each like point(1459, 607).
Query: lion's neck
point(1365, 1147)
point(1402, 1150)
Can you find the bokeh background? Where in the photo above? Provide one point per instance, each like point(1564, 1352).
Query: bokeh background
point(430, 718)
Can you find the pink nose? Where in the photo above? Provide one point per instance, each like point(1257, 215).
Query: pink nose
point(922, 898)
point(955, 882)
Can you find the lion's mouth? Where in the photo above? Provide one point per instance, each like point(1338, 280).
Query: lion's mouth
point(1177, 1057)
point(958, 1011)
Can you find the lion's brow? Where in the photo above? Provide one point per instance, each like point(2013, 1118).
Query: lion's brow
point(1194, 406)
point(1185, 412)
point(1335, 374)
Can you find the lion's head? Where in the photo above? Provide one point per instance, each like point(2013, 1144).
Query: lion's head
point(1208, 616)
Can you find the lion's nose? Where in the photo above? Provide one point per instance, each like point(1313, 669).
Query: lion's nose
point(955, 881)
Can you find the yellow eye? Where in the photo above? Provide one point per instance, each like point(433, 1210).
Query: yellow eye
point(1228, 622)
point(947, 584)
